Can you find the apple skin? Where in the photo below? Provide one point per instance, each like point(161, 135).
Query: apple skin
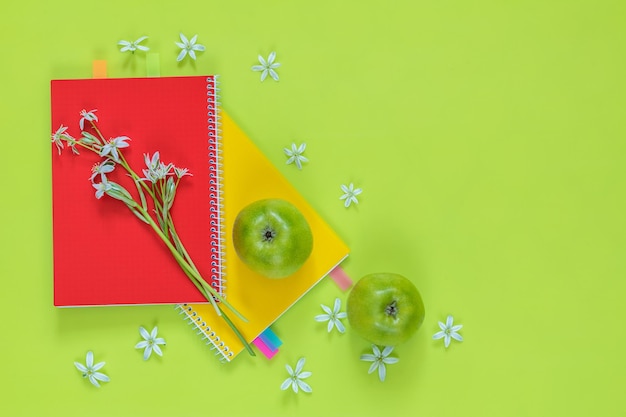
point(272, 237)
point(385, 308)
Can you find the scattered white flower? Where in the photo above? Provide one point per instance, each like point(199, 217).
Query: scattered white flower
point(150, 343)
point(448, 331)
point(188, 47)
point(133, 46)
point(102, 187)
point(350, 194)
point(57, 137)
point(90, 370)
point(267, 67)
point(333, 316)
point(102, 168)
point(111, 147)
point(295, 154)
point(379, 359)
point(295, 378)
point(90, 116)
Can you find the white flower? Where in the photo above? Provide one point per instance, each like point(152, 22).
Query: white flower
point(150, 343)
point(57, 137)
point(350, 194)
point(333, 316)
point(379, 359)
point(111, 147)
point(102, 168)
point(448, 331)
point(90, 370)
point(181, 172)
point(133, 46)
point(102, 188)
point(295, 155)
point(295, 378)
point(87, 115)
point(188, 47)
point(267, 67)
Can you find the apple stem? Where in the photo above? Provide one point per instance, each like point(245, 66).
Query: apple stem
point(392, 309)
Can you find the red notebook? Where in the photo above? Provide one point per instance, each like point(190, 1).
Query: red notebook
point(103, 254)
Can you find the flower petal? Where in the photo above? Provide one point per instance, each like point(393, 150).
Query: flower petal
point(456, 336)
point(446, 341)
point(449, 321)
point(305, 374)
point(331, 323)
point(273, 74)
point(141, 344)
point(340, 326)
point(373, 367)
point(382, 372)
point(300, 365)
point(181, 55)
point(80, 367)
point(264, 75)
point(387, 350)
point(147, 352)
point(271, 57)
point(89, 359)
point(157, 350)
point(322, 317)
point(286, 383)
point(305, 387)
point(368, 357)
point(98, 366)
point(143, 332)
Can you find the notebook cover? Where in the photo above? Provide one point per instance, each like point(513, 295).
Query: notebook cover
point(103, 254)
point(250, 176)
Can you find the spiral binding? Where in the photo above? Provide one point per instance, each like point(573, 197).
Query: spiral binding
point(204, 330)
point(218, 275)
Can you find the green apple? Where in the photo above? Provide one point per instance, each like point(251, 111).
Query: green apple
point(272, 237)
point(385, 308)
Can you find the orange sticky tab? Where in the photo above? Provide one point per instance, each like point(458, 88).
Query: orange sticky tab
point(99, 69)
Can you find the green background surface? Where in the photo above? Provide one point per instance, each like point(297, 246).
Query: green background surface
point(488, 139)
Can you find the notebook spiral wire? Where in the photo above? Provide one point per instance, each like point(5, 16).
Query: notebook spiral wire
point(218, 266)
point(211, 339)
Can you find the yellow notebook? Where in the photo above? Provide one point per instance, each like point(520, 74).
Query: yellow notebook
point(249, 176)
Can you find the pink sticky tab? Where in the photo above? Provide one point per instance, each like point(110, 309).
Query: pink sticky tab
point(265, 350)
point(341, 278)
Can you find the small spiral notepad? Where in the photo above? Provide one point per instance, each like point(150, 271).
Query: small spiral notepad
point(249, 176)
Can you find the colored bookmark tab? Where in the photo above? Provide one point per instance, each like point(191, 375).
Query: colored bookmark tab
point(270, 339)
point(153, 65)
point(265, 349)
point(341, 278)
point(99, 68)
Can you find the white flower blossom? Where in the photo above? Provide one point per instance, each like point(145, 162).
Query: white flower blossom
point(90, 116)
point(181, 172)
point(57, 137)
point(448, 331)
point(379, 359)
point(102, 168)
point(111, 147)
point(133, 46)
point(333, 316)
point(350, 194)
point(267, 67)
point(295, 154)
point(188, 47)
point(150, 343)
point(295, 378)
point(90, 371)
point(102, 187)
